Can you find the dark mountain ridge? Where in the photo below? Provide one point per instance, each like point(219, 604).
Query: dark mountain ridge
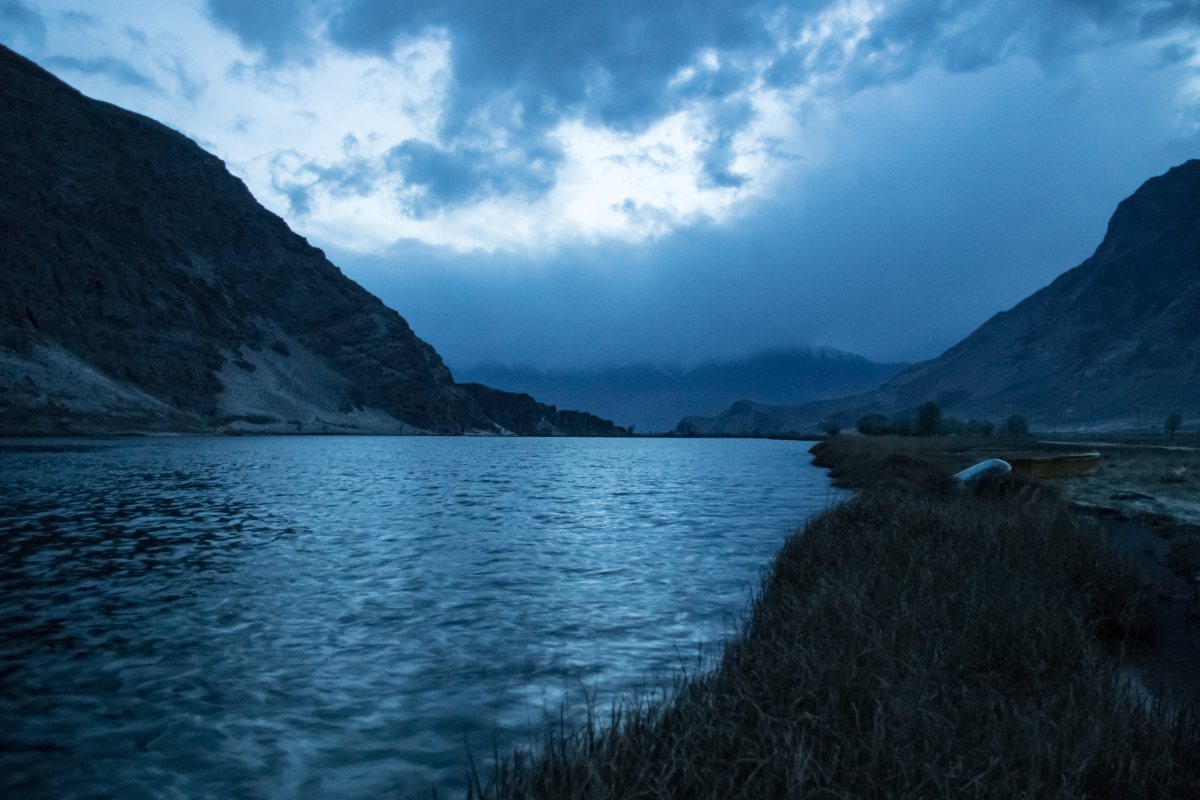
point(1110, 342)
point(142, 287)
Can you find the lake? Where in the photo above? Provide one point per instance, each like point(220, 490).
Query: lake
point(344, 616)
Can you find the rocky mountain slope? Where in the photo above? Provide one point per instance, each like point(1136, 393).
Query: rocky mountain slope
point(143, 288)
point(1112, 341)
point(654, 397)
point(520, 414)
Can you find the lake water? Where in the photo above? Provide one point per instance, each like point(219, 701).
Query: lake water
point(343, 617)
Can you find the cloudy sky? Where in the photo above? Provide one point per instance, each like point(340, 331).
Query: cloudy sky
point(557, 182)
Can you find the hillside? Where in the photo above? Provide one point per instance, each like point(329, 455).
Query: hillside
point(142, 288)
point(1112, 341)
point(653, 397)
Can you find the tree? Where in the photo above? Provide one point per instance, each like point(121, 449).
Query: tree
point(982, 427)
point(830, 427)
point(1016, 426)
point(873, 425)
point(929, 419)
point(1174, 420)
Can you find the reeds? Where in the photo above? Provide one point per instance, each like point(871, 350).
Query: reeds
point(909, 643)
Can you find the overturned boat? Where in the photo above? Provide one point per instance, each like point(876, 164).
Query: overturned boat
point(1065, 465)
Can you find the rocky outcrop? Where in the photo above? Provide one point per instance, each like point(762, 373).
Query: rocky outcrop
point(1119, 331)
point(745, 418)
point(1112, 340)
point(521, 415)
point(142, 288)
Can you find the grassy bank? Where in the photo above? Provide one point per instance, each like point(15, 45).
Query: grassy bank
point(913, 642)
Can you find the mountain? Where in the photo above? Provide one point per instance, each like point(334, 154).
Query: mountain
point(1112, 341)
point(142, 288)
point(653, 397)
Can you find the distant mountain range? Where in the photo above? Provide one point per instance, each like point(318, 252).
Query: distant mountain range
point(653, 397)
point(1109, 343)
point(142, 288)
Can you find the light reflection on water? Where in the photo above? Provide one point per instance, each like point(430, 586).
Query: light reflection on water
point(312, 617)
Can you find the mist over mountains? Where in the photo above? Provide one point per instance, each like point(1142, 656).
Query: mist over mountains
point(654, 397)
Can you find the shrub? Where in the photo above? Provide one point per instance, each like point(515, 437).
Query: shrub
point(929, 419)
point(1183, 557)
point(1173, 421)
point(981, 426)
point(1016, 426)
point(873, 425)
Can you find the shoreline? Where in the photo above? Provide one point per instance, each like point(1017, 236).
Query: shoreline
point(1141, 536)
point(914, 640)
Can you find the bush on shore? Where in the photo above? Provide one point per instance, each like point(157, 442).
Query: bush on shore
point(929, 421)
point(912, 642)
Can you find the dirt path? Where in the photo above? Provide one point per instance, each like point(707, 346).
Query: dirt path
point(1121, 445)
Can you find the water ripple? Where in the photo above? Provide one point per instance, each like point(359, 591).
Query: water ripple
point(313, 617)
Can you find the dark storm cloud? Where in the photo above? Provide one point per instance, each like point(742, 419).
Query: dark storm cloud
point(1174, 53)
point(607, 61)
point(26, 27)
point(971, 35)
point(453, 177)
point(299, 195)
point(948, 201)
point(114, 68)
point(189, 84)
point(20, 25)
point(960, 155)
point(136, 35)
point(1170, 16)
point(448, 178)
point(352, 176)
point(616, 55)
point(716, 160)
point(79, 19)
point(717, 157)
point(280, 29)
point(613, 62)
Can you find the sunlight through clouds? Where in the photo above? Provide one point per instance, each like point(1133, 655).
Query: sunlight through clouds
point(364, 131)
point(609, 184)
point(312, 137)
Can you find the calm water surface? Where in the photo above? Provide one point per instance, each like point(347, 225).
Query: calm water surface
point(340, 617)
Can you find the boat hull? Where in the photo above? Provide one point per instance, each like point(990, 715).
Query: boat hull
point(1064, 466)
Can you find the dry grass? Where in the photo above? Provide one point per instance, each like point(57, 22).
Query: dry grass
point(895, 462)
point(1183, 557)
point(913, 642)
